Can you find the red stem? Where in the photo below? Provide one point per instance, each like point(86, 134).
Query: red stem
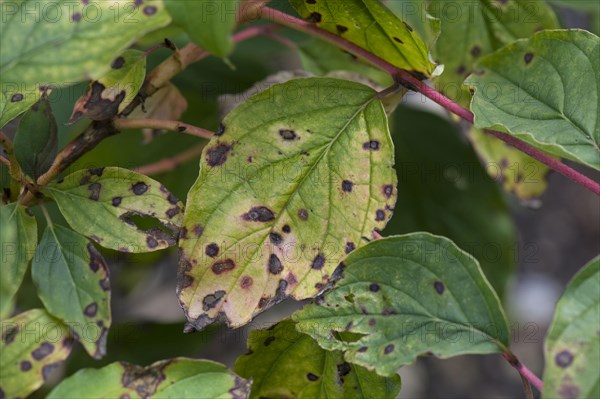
point(415, 84)
point(524, 371)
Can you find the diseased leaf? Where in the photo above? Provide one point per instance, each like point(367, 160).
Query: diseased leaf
point(18, 241)
point(472, 29)
point(167, 104)
point(294, 179)
point(284, 363)
point(65, 42)
point(36, 140)
point(114, 91)
point(14, 101)
point(445, 191)
point(209, 23)
point(404, 296)
point(33, 345)
point(415, 13)
point(119, 209)
point(518, 173)
point(320, 58)
point(572, 347)
point(72, 281)
point(529, 90)
point(176, 378)
point(372, 26)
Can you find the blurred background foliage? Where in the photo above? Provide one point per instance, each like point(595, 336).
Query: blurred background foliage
point(443, 188)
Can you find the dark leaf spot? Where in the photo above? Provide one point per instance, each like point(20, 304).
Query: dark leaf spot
point(96, 260)
point(116, 201)
point(151, 242)
point(349, 326)
point(379, 215)
point(287, 134)
point(8, 335)
point(246, 282)
point(350, 246)
point(263, 302)
point(315, 17)
point(76, 17)
point(398, 40)
point(275, 238)
point(212, 250)
point(302, 214)
point(388, 190)
point(318, 262)
point(439, 287)
point(105, 284)
point(91, 309)
point(150, 10)
point(388, 349)
point(223, 266)
point(372, 322)
point(341, 29)
point(16, 98)
point(343, 369)
point(362, 349)
point(211, 300)
point(461, 70)
point(220, 130)
point(312, 377)
point(347, 186)
point(374, 287)
point(408, 26)
point(48, 369)
point(172, 199)
point(259, 214)
point(198, 230)
point(371, 145)
point(275, 266)
point(568, 391)
point(25, 365)
point(172, 212)
point(311, 1)
point(42, 351)
point(528, 57)
point(139, 188)
point(186, 281)
point(143, 380)
point(269, 341)
point(476, 51)
point(95, 191)
point(564, 359)
point(217, 155)
point(118, 63)
point(286, 229)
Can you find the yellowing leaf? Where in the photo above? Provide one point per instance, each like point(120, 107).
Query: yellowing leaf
point(119, 209)
point(33, 345)
point(296, 177)
point(372, 26)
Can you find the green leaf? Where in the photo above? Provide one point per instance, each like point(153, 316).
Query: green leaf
point(176, 378)
point(372, 26)
point(64, 42)
point(321, 58)
point(529, 90)
point(472, 29)
point(33, 345)
point(415, 13)
point(208, 23)
point(518, 173)
point(119, 209)
point(446, 191)
point(114, 91)
point(294, 179)
point(572, 347)
point(36, 140)
point(405, 296)
point(72, 281)
point(284, 363)
point(14, 101)
point(18, 242)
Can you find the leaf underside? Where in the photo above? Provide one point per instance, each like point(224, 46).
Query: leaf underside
point(297, 177)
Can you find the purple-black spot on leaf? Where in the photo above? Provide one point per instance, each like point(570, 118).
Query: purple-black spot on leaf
point(528, 57)
point(91, 309)
point(220, 130)
point(315, 17)
point(374, 287)
point(318, 262)
point(95, 191)
point(388, 349)
point(350, 246)
point(347, 186)
point(217, 155)
point(439, 287)
point(312, 377)
point(269, 340)
point(211, 300)
point(116, 201)
point(275, 266)
point(139, 188)
point(302, 214)
point(275, 238)
point(287, 134)
point(371, 145)
point(563, 359)
point(16, 98)
point(212, 250)
point(25, 365)
point(223, 266)
point(42, 351)
point(259, 214)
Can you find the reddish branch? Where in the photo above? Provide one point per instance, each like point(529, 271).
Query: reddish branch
point(413, 83)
